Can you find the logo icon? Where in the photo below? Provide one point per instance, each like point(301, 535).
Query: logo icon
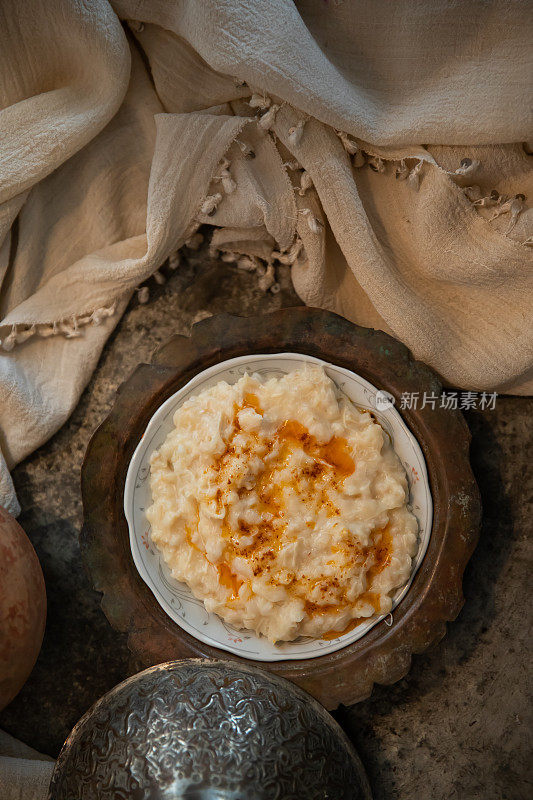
point(383, 400)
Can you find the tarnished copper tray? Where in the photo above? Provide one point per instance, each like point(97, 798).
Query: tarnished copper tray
point(384, 654)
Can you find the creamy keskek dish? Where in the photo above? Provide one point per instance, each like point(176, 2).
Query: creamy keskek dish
point(282, 506)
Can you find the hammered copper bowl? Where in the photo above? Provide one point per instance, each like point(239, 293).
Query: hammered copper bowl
point(207, 730)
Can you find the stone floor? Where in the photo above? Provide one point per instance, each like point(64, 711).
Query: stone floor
point(456, 727)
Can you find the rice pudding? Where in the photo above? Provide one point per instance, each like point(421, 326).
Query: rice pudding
point(282, 506)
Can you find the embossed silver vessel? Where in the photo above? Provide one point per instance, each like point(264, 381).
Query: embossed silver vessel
point(207, 730)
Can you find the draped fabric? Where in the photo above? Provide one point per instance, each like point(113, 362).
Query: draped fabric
point(24, 773)
point(358, 141)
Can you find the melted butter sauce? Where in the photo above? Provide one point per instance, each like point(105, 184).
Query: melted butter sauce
point(335, 457)
point(381, 552)
point(251, 400)
point(190, 542)
point(229, 580)
point(317, 610)
point(314, 609)
point(335, 453)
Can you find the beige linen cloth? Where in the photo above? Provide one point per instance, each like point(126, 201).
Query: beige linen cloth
point(24, 773)
point(125, 125)
point(111, 135)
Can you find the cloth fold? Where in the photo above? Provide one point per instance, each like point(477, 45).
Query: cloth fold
point(355, 141)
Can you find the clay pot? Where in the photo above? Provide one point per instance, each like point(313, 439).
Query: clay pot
point(22, 607)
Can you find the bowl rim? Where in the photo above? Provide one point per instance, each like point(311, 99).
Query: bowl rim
point(140, 454)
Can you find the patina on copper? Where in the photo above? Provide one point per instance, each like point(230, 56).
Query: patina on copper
point(383, 655)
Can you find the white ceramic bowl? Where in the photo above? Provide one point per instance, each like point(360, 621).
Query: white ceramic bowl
point(175, 598)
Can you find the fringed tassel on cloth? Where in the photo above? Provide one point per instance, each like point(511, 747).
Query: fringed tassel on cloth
point(70, 328)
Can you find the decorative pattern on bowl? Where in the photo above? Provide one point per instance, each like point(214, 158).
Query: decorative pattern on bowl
point(209, 730)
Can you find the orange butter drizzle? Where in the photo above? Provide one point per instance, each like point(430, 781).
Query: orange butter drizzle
point(335, 452)
point(335, 455)
point(350, 627)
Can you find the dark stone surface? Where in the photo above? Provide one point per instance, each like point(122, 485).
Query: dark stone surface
point(455, 728)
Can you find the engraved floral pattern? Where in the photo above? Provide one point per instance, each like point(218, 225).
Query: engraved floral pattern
point(206, 731)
